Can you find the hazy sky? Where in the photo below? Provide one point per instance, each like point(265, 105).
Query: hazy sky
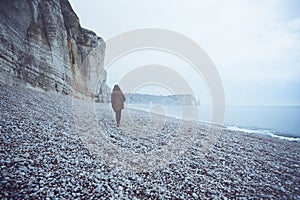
point(255, 44)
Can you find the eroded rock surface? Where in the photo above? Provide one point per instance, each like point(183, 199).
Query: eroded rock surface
point(43, 45)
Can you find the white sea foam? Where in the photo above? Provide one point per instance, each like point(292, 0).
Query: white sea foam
point(264, 132)
point(177, 115)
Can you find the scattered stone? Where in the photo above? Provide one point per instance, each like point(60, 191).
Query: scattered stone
point(43, 157)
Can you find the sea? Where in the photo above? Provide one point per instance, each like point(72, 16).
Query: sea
point(282, 122)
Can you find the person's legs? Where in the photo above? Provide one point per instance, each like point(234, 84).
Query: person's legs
point(118, 117)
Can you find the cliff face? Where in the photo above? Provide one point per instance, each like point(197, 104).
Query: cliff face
point(179, 99)
point(103, 91)
point(43, 45)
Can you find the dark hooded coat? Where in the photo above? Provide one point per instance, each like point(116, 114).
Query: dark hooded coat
point(117, 100)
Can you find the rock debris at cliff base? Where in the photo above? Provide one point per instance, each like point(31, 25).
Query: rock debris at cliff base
point(42, 156)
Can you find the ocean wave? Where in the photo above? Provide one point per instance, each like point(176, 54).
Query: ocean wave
point(264, 132)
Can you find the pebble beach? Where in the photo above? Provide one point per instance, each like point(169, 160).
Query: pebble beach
point(44, 156)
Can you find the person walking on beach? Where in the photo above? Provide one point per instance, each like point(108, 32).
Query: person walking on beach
point(117, 102)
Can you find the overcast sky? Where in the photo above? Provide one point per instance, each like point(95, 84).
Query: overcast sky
point(254, 44)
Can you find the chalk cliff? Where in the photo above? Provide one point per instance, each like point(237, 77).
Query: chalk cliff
point(42, 45)
point(103, 91)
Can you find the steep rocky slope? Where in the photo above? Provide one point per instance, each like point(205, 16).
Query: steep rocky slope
point(42, 45)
